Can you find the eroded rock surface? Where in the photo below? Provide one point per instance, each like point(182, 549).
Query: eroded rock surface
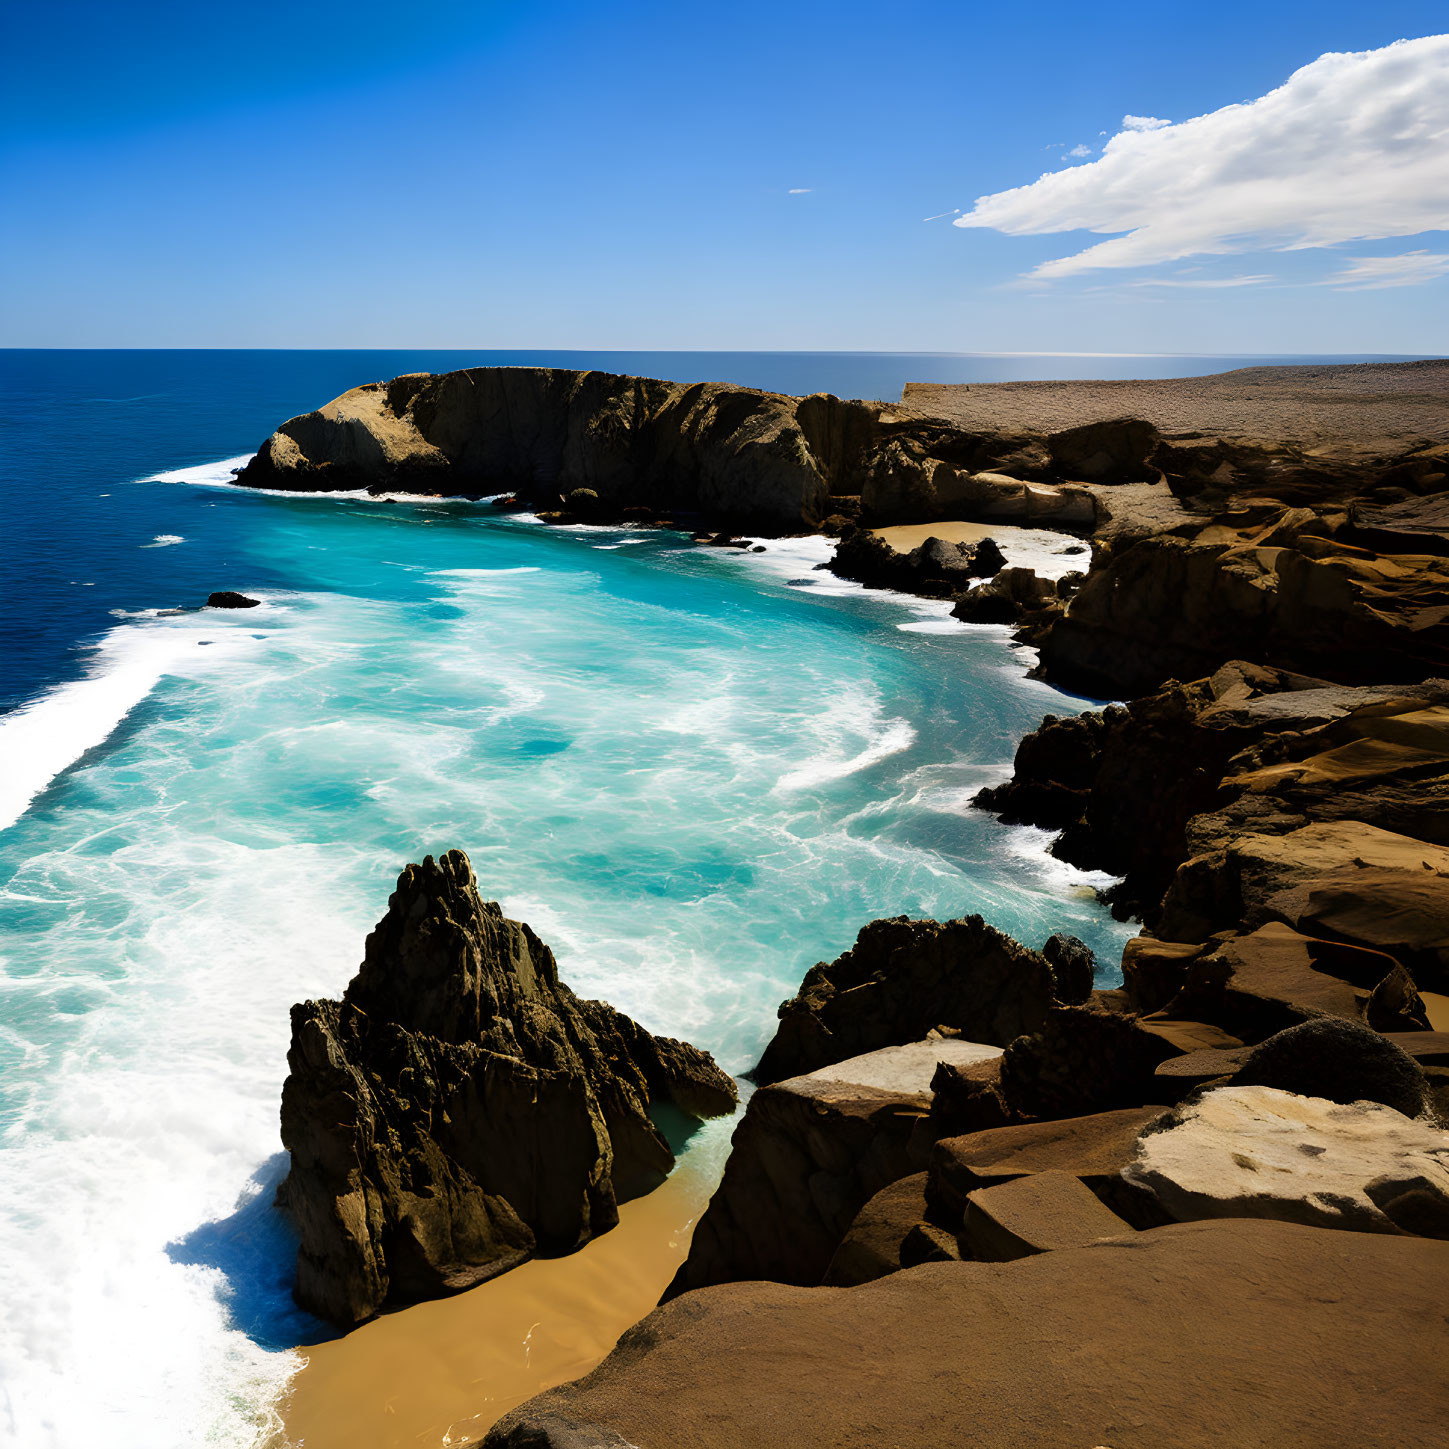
point(1250, 1151)
point(460, 1109)
point(1258, 1335)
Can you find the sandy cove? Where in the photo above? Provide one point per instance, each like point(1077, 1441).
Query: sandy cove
point(1293, 884)
point(440, 1373)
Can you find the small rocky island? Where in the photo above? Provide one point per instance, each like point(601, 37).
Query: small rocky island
point(461, 1110)
point(976, 1197)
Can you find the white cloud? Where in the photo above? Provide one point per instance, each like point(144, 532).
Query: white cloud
point(800, 190)
point(1371, 274)
point(1203, 281)
point(1080, 151)
point(1350, 147)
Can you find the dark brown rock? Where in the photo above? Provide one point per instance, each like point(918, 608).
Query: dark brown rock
point(806, 1158)
point(1094, 1148)
point(1254, 1334)
point(1082, 1059)
point(1395, 1004)
point(1074, 968)
point(1012, 595)
point(901, 980)
point(936, 568)
point(460, 1109)
point(1257, 984)
point(1039, 1213)
point(727, 453)
point(1115, 451)
point(967, 1099)
point(229, 599)
point(1171, 608)
point(871, 1247)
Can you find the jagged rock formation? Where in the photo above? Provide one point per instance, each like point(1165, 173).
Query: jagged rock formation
point(460, 1110)
point(1197, 1336)
point(903, 979)
point(1287, 595)
point(937, 568)
point(593, 444)
point(1137, 789)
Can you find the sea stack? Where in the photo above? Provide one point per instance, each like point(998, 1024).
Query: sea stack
point(461, 1110)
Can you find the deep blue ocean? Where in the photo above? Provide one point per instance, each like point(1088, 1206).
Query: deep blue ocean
point(695, 772)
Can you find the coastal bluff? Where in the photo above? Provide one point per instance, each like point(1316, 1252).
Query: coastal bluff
point(595, 446)
point(764, 459)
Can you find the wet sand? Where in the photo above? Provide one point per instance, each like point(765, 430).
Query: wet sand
point(442, 1373)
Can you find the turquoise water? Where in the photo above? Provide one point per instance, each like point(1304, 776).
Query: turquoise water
point(695, 772)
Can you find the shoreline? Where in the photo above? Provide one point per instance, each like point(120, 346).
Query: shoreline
point(442, 1372)
point(445, 1370)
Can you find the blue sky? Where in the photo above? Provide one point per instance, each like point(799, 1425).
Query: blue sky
point(744, 176)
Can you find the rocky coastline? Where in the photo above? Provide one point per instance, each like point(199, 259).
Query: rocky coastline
point(957, 1139)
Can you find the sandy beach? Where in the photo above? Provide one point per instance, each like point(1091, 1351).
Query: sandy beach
point(441, 1373)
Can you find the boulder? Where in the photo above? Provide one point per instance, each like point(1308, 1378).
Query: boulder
point(228, 599)
point(1256, 1335)
point(805, 1159)
point(1255, 1151)
point(1074, 968)
point(1040, 1213)
point(1082, 1059)
point(1117, 450)
point(1404, 913)
point(1154, 971)
point(967, 1099)
point(808, 1155)
point(460, 1109)
point(1395, 1004)
point(1257, 984)
point(871, 1247)
point(1340, 1061)
point(1345, 881)
point(937, 568)
point(900, 981)
point(1094, 1148)
point(1012, 593)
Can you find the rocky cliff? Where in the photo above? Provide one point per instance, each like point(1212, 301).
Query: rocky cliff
point(460, 1109)
point(728, 452)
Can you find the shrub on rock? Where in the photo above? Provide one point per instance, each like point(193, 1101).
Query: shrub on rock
point(1339, 1060)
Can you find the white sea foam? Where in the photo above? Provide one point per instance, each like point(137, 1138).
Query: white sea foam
point(690, 808)
point(41, 739)
point(221, 471)
point(164, 540)
point(835, 762)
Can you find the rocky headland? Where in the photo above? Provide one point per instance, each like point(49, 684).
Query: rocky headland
point(975, 1196)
